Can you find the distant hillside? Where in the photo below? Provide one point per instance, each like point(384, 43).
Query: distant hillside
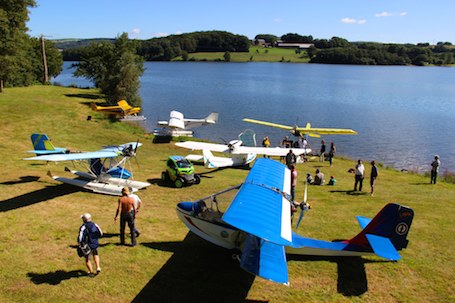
point(65, 44)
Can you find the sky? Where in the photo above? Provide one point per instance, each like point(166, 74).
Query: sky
point(387, 21)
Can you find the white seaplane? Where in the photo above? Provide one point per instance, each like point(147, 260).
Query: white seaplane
point(258, 223)
point(105, 174)
point(178, 125)
point(307, 130)
point(239, 152)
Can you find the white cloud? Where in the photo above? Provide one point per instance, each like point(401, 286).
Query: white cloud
point(159, 35)
point(388, 14)
point(353, 21)
point(277, 20)
point(135, 32)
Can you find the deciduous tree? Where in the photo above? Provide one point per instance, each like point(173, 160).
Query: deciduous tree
point(114, 68)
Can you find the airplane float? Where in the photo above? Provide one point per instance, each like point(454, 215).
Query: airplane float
point(42, 145)
point(258, 223)
point(122, 110)
point(105, 174)
point(307, 130)
point(237, 154)
point(178, 125)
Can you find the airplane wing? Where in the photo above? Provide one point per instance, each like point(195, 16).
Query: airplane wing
point(325, 131)
point(75, 156)
point(193, 145)
point(110, 151)
point(260, 207)
point(265, 259)
point(270, 151)
point(269, 124)
point(307, 129)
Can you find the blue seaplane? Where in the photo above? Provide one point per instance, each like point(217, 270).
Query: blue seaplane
point(104, 172)
point(258, 223)
point(42, 145)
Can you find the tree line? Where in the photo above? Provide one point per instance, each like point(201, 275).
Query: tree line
point(340, 51)
point(21, 56)
point(170, 47)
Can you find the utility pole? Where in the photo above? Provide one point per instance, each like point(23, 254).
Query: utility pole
point(43, 46)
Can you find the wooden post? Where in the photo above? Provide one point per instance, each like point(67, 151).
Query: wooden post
point(43, 46)
point(1, 85)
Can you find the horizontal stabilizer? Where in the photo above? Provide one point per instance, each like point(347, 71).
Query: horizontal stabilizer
point(363, 221)
point(265, 259)
point(383, 247)
point(195, 158)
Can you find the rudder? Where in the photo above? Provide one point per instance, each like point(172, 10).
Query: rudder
point(392, 222)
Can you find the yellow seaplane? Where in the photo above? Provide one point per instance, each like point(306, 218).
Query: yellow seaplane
point(122, 109)
point(307, 130)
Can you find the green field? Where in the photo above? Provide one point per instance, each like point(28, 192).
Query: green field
point(256, 54)
point(39, 221)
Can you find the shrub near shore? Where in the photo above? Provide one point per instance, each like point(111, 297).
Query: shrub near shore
point(39, 220)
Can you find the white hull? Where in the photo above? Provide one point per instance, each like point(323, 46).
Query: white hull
point(219, 234)
point(102, 188)
point(113, 181)
point(167, 132)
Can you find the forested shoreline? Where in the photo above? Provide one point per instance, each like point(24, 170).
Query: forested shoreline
point(330, 51)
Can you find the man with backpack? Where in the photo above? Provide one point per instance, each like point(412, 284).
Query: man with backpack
point(89, 232)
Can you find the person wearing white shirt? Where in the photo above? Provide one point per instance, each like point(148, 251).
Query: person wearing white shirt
point(138, 204)
point(359, 175)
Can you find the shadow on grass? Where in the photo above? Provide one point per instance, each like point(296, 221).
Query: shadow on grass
point(350, 192)
point(55, 277)
point(352, 278)
point(85, 96)
point(24, 179)
point(199, 271)
point(47, 193)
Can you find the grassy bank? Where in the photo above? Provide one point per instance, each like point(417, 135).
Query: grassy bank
point(39, 220)
point(255, 54)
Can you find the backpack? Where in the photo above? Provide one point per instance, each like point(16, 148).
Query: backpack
point(83, 249)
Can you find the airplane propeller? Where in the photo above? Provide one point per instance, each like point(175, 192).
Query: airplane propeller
point(304, 206)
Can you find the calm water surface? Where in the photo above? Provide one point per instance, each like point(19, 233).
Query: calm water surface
point(404, 115)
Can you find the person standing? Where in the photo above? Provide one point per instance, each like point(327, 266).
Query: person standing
point(322, 151)
point(290, 159)
point(293, 181)
point(435, 169)
point(359, 175)
point(125, 208)
point(373, 176)
point(332, 152)
point(138, 204)
point(89, 232)
point(266, 143)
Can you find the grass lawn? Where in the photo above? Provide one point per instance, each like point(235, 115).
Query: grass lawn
point(39, 221)
point(255, 54)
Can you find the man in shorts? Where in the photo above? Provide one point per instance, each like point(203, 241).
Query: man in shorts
point(89, 232)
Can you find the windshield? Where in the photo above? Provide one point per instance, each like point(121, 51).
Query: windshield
point(184, 163)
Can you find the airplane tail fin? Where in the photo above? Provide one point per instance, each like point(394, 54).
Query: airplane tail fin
point(387, 231)
point(207, 154)
point(41, 142)
point(212, 118)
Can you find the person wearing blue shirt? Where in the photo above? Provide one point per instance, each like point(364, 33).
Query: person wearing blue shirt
point(89, 232)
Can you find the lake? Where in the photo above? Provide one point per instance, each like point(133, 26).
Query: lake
point(404, 114)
